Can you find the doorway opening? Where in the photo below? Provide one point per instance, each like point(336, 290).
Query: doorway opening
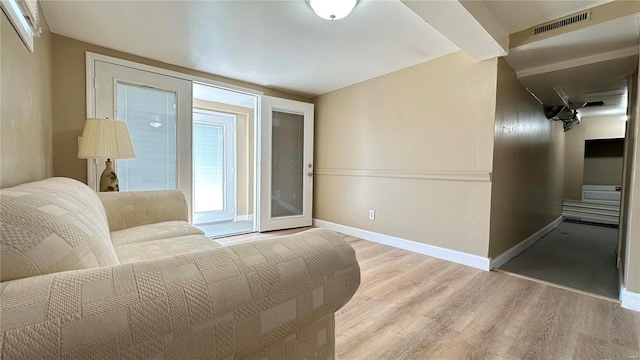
point(224, 161)
point(243, 160)
point(593, 95)
point(581, 252)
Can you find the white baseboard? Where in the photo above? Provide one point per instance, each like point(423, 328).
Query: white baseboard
point(244, 217)
point(520, 247)
point(459, 257)
point(630, 300)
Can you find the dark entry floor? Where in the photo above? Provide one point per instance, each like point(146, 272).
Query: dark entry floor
point(576, 255)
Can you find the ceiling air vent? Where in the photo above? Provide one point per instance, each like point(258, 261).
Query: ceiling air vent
point(561, 23)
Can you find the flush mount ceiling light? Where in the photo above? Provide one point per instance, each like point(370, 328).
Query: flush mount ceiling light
point(332, 9)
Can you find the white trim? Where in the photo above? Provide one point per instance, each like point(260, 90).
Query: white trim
point(257, 161)
point(629, 300)
point(92, 164)
point(467, 176)
point(198, 79)
point(244, 217)
point(459, 257)
point(524, 244)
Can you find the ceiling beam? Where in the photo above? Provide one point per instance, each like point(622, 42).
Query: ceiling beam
point(587, 60)
point(468, 24)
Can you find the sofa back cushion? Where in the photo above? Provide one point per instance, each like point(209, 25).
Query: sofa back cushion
point(127, 209)
point(53, 225)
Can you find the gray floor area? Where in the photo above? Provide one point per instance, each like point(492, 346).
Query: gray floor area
point(576, 255)
point(226, 228)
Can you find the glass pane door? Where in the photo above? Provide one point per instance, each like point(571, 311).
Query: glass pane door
point(287, 155)
point(286, 179)
point(150, 115)
point(214, 186)
point(157, 110)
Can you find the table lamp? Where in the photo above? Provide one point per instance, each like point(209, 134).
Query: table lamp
point(104, 138)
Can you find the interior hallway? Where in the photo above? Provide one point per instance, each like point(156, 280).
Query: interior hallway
point(576, 255)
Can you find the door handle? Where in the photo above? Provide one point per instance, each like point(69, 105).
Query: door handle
point(310, 173)
point(618, 188)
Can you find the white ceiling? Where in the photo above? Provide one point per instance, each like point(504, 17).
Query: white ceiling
point(516, 15)
point(283, 44)
point(279, 44)
point(601, 81)
point(618, 34)
point(589, 64)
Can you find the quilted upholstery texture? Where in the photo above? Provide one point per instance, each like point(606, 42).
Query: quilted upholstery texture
point(50, 226)
point(163, 230)
point(271, 299)
point(135, 208)
point(148, 250)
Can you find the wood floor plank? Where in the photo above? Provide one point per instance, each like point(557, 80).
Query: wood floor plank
point(411, 306)
point(502, 320)
point(589, 347)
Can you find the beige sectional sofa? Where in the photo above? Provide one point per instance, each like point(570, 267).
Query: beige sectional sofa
point(124, 276)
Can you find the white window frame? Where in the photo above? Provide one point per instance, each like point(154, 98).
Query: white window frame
point(91, 58)
point(233, 154)
point(16, 16)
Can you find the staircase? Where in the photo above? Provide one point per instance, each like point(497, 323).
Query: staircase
point(591, 212)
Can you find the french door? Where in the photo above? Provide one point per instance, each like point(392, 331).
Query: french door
point(286, 184)
point(157, 110)
point(179, 149)
point(214, 167)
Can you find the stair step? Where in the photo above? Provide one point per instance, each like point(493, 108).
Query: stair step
point(583, 214)
point(592, 219)
point(591, 211)
point(588, 205)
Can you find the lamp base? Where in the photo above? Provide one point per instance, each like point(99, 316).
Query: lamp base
point(109, 179)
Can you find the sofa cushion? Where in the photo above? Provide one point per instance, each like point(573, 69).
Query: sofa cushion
point(128, 209)
point(150, 232)
point(148, 250)
point(53, 225)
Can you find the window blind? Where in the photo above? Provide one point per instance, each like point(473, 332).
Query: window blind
point(150, 115)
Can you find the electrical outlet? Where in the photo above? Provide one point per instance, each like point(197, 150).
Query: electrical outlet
point(372, 214)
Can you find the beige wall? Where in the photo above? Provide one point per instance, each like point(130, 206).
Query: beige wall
point(244, 150)
point(25, 115)
point(604, 165)
point(528, 163)
point(610, 127)
point(632, 225)
point(415, 123)
point(69, 99)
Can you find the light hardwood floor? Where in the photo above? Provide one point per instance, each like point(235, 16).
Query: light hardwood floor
point(411, 306)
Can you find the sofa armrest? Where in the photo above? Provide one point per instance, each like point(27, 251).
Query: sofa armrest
point(231, 301)
point(134, 208)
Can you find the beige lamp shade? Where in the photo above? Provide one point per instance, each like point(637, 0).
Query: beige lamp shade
point(104, 138)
